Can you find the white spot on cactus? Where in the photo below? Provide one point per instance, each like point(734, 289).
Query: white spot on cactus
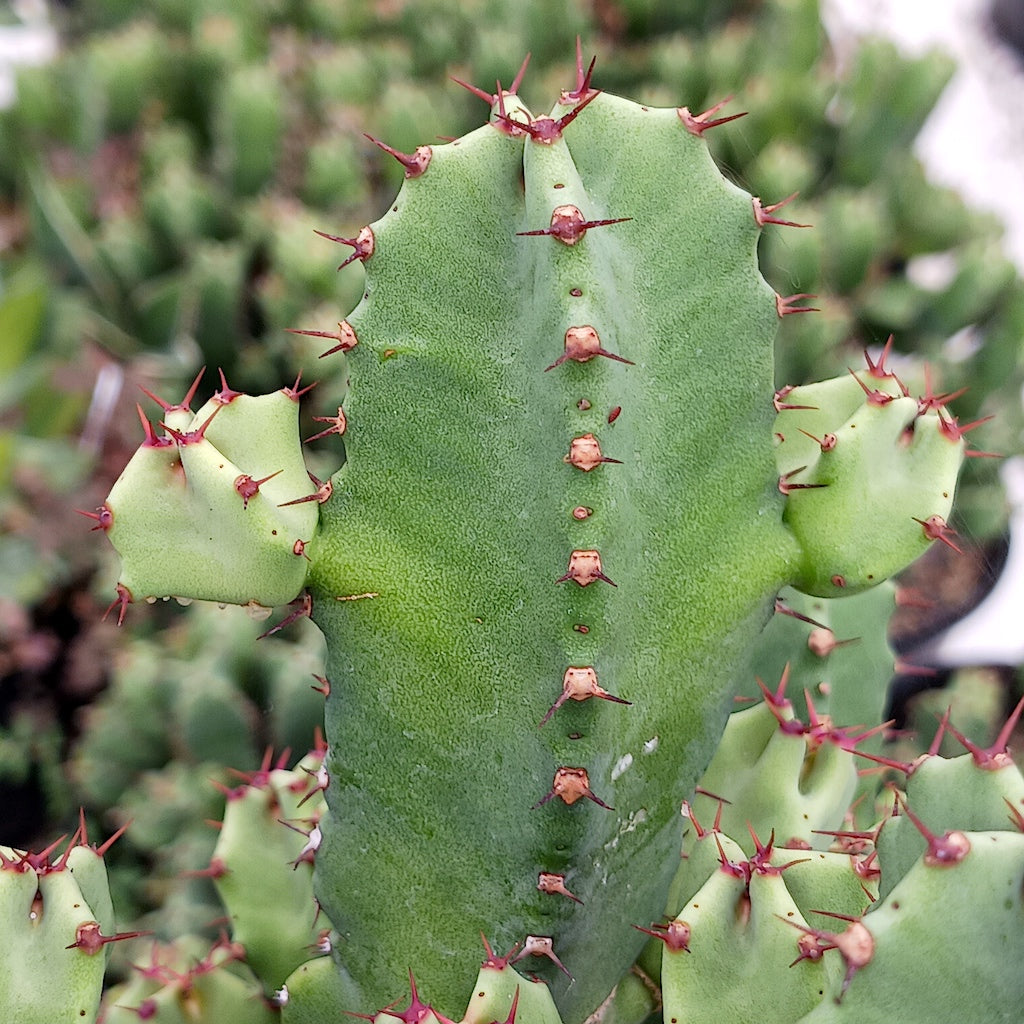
point(258, 612)
point(622, 765)
point(313, 845)
point(280, 997)
point(651, 745)
point(627, 825)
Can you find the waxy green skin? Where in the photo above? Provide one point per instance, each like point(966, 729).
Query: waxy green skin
point(50, 974)
point(455, 507)
point(436, 566)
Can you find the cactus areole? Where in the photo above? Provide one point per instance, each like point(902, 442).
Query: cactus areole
point(498, 331)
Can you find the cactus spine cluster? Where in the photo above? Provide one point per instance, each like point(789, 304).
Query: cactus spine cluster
point(571, 494)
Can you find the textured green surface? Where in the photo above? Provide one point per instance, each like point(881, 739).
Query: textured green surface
point(443, 569)
point(43, 903)
point(237, 552)
point(947, 939)
point(455, 507)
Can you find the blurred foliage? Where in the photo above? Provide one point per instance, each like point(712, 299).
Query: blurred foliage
point(160, 184)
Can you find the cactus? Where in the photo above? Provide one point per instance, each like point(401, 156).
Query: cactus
point(261, 866)
point(775, 922)
point(559, 485)
point(60, 922)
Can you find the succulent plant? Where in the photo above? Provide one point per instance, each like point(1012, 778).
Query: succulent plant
point(563, 518)
point(558, 532)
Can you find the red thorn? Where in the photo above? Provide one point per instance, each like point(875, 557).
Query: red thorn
point(698, 124)
point(362, 245)
point(781, 608)
point(826, 442)
point(584, 569)
point(582, 343)
point(566, 119)
point(686, 810)
point(414, 163)
point(301, 607)
point(1016, 816)
point(90, 941)
point(996, 756)
point(103, 516)
point(780, 403)
point(123, 599)
point(778, 699)
point(761, 860)
point(580, 683)
point(487, 97)
point(518, 80)
point(345, 336)
point(583, 87)
point(541, 945)
point(338, 425)
point(873, 395)
point(152, 441)
point(228, 793)
point(935, 528)
point(510, 1019)
point(878, 370)
point(855, 840)
point(762, 213)
point(554, 884)
point(192, 436)
point(249, 488)
point(675, 935)
point(183, 405)
point(226, 395)
point(324, 490)
point(104, 846)
point(294, 392)
point(951, 429)
point(930, 400)
point(568, 225)
point(786, 486)
point(216, 869)
point(493, 98)
point(943, 851)
point(499, 963)
point(416, 1010)
point(546, 130)
point(570, 785)
point(784, 304)
point(82, 833)
point(856, 945)
point(906, 767)
point(260, 778)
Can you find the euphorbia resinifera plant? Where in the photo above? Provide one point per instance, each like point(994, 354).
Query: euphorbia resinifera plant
point(571, 493)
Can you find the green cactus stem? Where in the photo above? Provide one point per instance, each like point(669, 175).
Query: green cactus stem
point(559, 529)
point(58, 924)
